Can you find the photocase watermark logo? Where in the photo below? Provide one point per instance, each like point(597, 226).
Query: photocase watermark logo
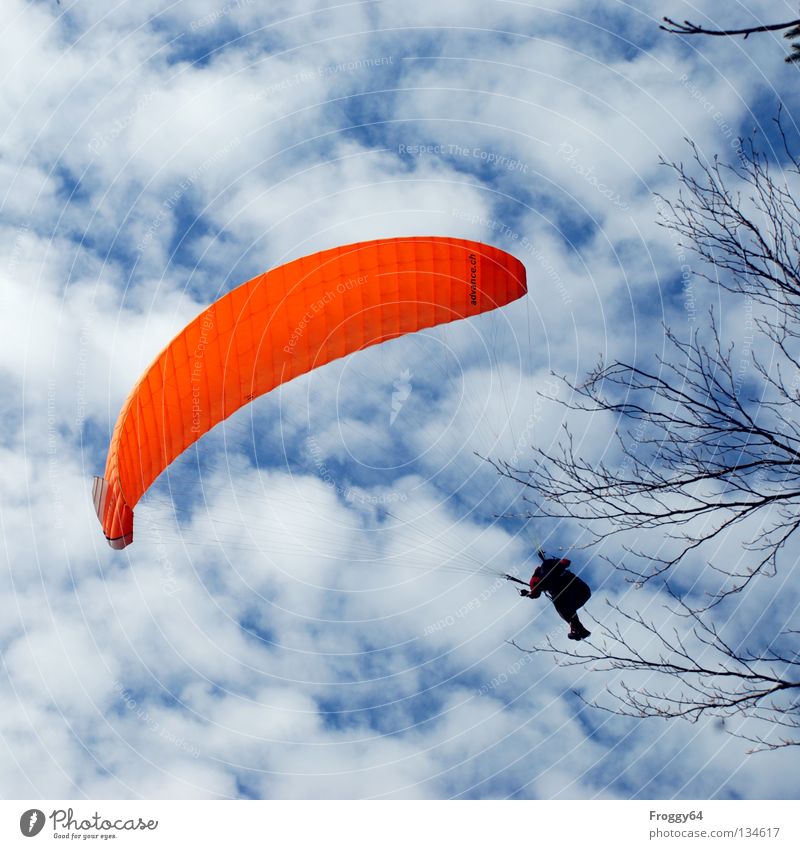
point(32, 822)
point(402, 389)
point(570, 154)
point(66, 826)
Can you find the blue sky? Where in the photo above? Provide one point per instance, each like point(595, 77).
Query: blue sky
point(314, 622)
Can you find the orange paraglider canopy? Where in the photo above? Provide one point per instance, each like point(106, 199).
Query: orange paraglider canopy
point(282, 324)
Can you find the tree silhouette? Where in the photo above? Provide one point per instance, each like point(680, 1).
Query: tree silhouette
point(709, 445)
point(693, 672)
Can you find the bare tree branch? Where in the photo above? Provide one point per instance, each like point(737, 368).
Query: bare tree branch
point(688, 28)
point(708, 438)
point(727, 683)
point(707, 444)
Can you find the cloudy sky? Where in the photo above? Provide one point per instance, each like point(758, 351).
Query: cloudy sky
point(310, 608)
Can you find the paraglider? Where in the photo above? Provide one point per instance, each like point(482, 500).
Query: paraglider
point(565, 589)
point(282, 324)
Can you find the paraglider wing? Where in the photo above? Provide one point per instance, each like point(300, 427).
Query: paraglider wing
point(282, 324)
